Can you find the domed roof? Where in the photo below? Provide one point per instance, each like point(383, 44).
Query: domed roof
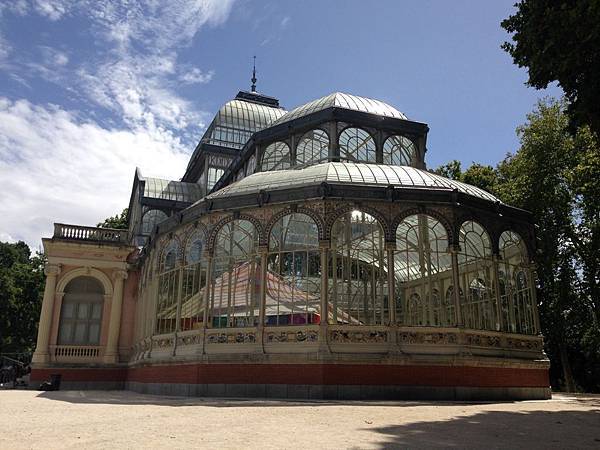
point(341, 100)
point(237, 120)
point(349, 173)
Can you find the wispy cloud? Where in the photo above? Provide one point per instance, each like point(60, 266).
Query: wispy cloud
point(55, 166)
point(55, 161)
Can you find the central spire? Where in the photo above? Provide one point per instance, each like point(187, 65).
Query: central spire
point(253, 87)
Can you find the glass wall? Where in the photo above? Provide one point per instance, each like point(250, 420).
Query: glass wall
point(475, 274)
point(235, 280)
point(152, 218)
point(514, 280)
point(357, 145)
point(422, 270)
point(81, 312)
point(357, 271)
point(168, 289)
point(313, 147)
point(193, 286)
point(293, 272)
point(276, 157)
point(398, 151)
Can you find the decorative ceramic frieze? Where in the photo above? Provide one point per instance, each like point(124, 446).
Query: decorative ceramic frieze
point(292, 336)
point(231, 338)
point(427, 338)
point(358, 337)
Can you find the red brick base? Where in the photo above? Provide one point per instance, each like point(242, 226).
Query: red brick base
point(307, 374)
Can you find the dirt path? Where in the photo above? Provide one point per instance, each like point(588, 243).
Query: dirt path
point(121, 419)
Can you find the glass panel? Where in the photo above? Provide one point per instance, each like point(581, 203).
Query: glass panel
point(94, 334)
point(357, 145)
point(313, 147)
point(357, 271)
point(423, 269)
point(68, 310)
point(475, 274)
point(80, 333)
point(276, 157)
point(235, 282)
point(398, 151)
point(152, 218)
point(66, 332)
point(83, 311)
point(293, 272)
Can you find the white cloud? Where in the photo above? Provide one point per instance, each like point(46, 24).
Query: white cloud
point(195, 75)
point(57, 167)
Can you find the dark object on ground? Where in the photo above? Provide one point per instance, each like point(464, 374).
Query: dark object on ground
point(53, 384)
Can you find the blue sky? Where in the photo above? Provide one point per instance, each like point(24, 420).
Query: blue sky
point(90, 89)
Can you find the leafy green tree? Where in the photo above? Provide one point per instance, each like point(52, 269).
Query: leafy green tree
point(117, 222)
point(452, 170)
point(21, 291)
point(560, 42)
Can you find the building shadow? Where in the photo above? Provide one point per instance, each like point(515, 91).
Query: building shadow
point(498, 430)
point(124, 397)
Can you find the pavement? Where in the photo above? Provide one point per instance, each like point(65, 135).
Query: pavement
point(123, 419)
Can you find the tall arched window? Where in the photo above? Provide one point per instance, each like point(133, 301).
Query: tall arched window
point(276, 157)
point(152, 218)
point(235, 280)
point(293, 272)
point(357, 271)
point(398, 151)
point(81, 312)
point(422, 266)
point(517, 307)
point(193, 283)
point(168, 288)
point(357, 145)
point(475, 267)
point(313, 147)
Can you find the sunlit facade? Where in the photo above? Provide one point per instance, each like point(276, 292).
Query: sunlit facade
point(304, 253)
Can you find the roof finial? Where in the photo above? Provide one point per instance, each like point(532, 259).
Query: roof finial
point(253, 88)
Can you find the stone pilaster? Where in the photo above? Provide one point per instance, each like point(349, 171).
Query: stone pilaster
point(41, 354)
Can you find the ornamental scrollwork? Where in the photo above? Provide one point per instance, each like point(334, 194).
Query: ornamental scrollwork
point(292, 336)
point(358, 337)
point(427, 338)
point(231, 338)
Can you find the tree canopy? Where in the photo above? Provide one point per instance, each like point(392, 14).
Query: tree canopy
point(560, 42)
point(117, 222)
point(554, 175)
point(21, 291)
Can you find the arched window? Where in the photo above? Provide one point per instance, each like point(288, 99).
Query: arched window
point(152, 218)
point(357, 145)
point(81, 312)
point(235, 281)
point(168, 289)
point(518, 311)
point(313, 147)
point(422, 265)
point(293, 272)
point(398, 151)
point(193, 283)
point(357, 271)
point(475, 275)
point(276, 157)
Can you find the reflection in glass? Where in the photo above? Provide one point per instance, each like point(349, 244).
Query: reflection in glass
point(313, 147)
point(357, 145)
point(398, 151)
point(276, 157)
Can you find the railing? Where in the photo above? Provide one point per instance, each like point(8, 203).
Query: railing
point(81, 233)
point(75, 353)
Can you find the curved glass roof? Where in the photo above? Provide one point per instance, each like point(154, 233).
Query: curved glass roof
point(237, 120)
point(349, 173)
point(171, 190)
point(341, 100)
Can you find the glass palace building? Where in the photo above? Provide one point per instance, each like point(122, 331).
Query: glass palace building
point(305, 254)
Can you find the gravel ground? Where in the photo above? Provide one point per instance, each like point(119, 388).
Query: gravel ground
point(122, 419)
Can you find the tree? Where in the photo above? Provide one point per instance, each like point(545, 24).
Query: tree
point(117, 222)
point(554, 175)
point(560, 42)
point(21, 291)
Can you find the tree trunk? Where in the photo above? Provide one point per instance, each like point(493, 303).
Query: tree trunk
point(566, 368)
